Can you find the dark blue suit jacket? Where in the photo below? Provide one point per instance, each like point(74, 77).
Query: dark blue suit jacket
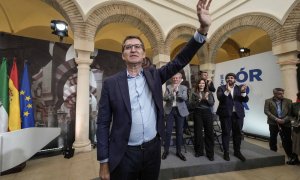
point(226, 103)
point(114, 115)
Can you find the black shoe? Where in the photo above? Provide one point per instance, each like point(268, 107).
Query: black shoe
point(226, 156)
point(293, 161)
point(239, 156)
point(181, 156)
point(198, 154)
point(211, 158)
point(165, 155)
point(296, 160)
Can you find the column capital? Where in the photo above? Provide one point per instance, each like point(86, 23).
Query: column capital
point(83, 57)
point(160, 59)
point(207, 67)
point(286, 47)
point(83, 48)
point(84, 44)
point(289, 58)
point(288, 66)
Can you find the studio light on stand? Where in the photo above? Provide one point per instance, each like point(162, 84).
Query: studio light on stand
point(244, 52)
point(60, 28)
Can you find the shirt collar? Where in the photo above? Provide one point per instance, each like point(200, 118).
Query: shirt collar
point(277, 100)
point(141, 73)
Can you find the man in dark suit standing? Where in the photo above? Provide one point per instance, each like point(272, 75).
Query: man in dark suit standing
point(231, 113)
point(278, 109)
point(130, 117)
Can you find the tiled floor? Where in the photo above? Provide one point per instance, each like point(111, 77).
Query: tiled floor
point(84, 167)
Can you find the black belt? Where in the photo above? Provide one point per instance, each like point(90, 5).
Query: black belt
point(145, 145)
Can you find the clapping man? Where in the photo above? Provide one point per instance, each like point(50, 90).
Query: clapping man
point(231, 113)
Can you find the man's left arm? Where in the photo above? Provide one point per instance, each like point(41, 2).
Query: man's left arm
point(182, 94)
point(211, 86)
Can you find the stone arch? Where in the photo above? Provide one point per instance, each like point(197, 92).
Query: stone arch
point(232, 48)
point(124, 12)
point(185, 31)
point(70, 11)
point(264, 22)
point(291, 27)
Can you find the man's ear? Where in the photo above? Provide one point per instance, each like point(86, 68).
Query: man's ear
point(144, 55)
point(123, 57)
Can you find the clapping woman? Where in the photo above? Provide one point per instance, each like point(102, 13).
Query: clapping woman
point(202, 100)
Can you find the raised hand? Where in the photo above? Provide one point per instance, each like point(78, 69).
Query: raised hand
point(203, 15)
point(208, 82)
point(228, 88)
point(243, 88)
point(175, 87)
point(206, 95)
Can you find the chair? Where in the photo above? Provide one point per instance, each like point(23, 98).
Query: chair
point(217, 131)
point(189, 137)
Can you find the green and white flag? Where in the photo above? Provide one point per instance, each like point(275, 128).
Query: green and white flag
point(3, 97)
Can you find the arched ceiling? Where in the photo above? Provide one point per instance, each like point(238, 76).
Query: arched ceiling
point(257, 40)
point(111, 37)
point(177, 46)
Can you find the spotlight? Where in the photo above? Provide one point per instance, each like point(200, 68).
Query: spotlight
point(60, 28)
point(244, 52)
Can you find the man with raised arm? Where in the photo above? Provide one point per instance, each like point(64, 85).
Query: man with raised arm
point(130, 117)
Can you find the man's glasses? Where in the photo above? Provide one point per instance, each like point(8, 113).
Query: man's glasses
point(130, 46)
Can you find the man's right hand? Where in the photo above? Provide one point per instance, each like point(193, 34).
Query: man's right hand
point(228, 88)
point(104, 171)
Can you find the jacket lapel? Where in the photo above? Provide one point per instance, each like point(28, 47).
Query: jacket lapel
point(123, 86)
point(236, 91)
point(273, 104)
point(150, 83)
point(284, 108)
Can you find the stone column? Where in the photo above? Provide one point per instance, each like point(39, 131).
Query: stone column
point(287, 59)
point(288, 66)
point(160, 60)
point(209, 68)
point(83, 49)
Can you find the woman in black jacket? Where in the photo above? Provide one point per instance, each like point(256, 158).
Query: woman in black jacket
point(202, 101)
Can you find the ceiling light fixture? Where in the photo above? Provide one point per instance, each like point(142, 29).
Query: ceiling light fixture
point(60, 28)
point(244, 52)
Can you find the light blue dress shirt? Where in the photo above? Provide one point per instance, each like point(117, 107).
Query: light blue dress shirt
point(278, 108)
point(143, 110)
